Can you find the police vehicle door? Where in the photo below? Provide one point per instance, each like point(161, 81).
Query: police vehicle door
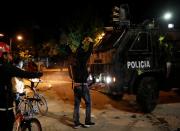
point(139, 56)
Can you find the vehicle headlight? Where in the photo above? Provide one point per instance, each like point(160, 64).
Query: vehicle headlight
point(108, 79)
point(90, 77)
point(105, 79)
point(97, 80)
point(114, 79)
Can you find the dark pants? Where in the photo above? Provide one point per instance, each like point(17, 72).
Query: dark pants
point(6, 120)
point(82, 92)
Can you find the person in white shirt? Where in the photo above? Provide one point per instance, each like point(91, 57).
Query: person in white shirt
point(17, 82)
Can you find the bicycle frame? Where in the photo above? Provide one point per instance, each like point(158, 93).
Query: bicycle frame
point(18, 119)
point(40, 101)
point(23, 122)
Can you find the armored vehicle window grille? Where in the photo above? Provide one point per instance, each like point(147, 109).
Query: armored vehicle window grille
point(109, 39)
point(140, 43)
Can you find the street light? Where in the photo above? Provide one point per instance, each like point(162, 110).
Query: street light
point(18, 37)
point(170, 26)
point(1, 35)
point(167, 16)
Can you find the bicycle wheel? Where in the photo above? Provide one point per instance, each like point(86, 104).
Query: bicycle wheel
point(32, 124)
point(26, 106)
point(23, 106)
point(42, 104)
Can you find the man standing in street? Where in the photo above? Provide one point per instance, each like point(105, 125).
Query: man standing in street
point(79, 76)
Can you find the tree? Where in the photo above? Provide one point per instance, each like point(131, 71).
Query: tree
point(82, 25)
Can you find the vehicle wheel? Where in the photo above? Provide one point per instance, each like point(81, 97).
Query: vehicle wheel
point(42, 104)
point(147, 94)
point(32, 124)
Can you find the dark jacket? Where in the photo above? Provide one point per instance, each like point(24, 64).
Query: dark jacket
point(7, 71)
point(79, 69)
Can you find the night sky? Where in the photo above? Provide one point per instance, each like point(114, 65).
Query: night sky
point(51, 15)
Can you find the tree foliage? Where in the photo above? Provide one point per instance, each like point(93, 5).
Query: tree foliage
point(45, 44)
point(81, 26)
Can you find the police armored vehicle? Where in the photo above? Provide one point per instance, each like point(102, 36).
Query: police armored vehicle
point(140, 60)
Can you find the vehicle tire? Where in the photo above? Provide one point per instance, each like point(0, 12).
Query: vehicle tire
point(147, 94)
point(32, 124)
point(42, 104)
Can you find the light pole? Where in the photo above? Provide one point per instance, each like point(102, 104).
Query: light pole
point(10, 44)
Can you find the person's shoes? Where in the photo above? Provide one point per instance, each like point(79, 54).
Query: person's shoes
point(88, 124)
point(78, 125)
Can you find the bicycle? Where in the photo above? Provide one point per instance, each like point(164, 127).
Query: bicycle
point(27, 105)
point(35, 103)
point(23, 122)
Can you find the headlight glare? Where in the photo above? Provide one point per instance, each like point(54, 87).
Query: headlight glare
point(108, 79)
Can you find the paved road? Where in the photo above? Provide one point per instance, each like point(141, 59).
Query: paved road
point(106, 113)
